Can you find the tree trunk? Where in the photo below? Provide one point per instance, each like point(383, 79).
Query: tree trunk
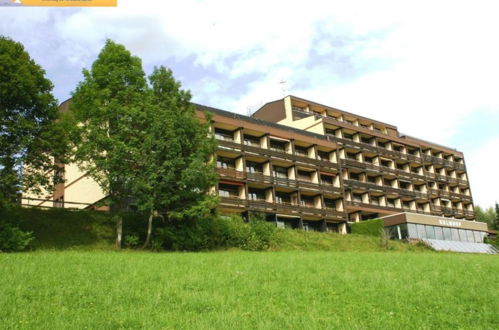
point(149, 230)
point(119, 231)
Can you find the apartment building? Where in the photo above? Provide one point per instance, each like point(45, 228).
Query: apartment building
point(314, 167)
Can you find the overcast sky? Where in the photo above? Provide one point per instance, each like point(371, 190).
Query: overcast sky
point(431, 68)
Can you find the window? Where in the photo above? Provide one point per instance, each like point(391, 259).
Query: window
point(404, 184)
point(307, 201)
point(323, 155)
point(348, 136)
point(375, 200)
point(302, 151)
point(366, 140)
point(277, 145)
point(454, 234)
point(382, 144)
point(224, 162)
point(330, 203)
point(447, 234)
point(222, 134)
point(253, 167)
point(371, 179)
point(281, 198)
point(430, 232)
point(256, 194)
point(390, 202)
point(401, 166)
point(304, 175)
point(357, 197)
point(469, 236)
point(413, 233)
point(403, 230)
point(406, 204)
point(439, 233)
point(280, 172)
point(421, 231)
point(355, 176)
point(228, 190)
point(351, 155)
point(388, 182)
point(326, 179)
point(330, 131)
point(251, 140)
point(369, 160)
point(385, 163)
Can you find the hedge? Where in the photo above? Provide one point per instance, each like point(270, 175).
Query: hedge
point(373, 227)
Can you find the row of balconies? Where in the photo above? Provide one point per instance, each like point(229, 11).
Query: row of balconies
point(278, 181)
point(281, 154)
point(388, 152)
point(346, 163)
point(281, 207)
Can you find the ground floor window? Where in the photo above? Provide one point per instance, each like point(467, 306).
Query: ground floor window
point(419, 231)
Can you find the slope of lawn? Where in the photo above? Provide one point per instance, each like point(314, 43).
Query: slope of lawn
point(242, 290)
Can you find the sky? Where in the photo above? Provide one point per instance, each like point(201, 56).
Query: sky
point(431, 68)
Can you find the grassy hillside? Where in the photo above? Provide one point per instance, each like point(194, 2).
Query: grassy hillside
point(62, 229)
point(243, 290)
point(66, 229)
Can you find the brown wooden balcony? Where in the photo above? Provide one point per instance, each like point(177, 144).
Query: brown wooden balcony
point(260, 178)
point(227, 144)
point(308, 209)
point(361, 204)
point(285, 182)
point(329, 188)
point(447, 210)
point(286, 208)
point(260, 205)
point(231, 173)
point(436, 208)
point(469, 214)
point(233, 202)
point(331, 213)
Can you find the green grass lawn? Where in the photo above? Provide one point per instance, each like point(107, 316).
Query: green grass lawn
point(240, 290)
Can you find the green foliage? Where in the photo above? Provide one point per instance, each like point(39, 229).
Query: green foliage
point(30, 132)
point(173, 172)
point(13, 239)
point(373, 227)
point(215, 232)
point(488, 216)
point(63, 229)
point(107, 110)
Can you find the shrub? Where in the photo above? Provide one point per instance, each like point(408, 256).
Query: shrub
point(369, 227)
point(215, 232)
point(13, 239)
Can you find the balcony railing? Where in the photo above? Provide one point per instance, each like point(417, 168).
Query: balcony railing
point(232, 173)
point(259, 177)
point(233, 201)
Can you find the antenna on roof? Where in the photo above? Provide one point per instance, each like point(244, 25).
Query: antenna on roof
point(283, 86)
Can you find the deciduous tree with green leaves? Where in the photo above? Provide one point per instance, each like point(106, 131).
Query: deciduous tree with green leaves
point(29, 131)
point(108, 109)
point(174, 171)
point(143, 145)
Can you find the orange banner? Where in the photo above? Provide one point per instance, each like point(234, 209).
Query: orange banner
point(62, 3)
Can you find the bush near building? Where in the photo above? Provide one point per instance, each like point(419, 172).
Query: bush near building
point(373, 227)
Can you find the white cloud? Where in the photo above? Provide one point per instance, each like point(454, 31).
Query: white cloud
point(483, 174)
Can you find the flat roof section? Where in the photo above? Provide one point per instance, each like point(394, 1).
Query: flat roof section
point(406, 217)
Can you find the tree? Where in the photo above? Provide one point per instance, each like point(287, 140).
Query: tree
point(174, 172)
point(29, 129)
point(488, 216)
point(109, 107)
